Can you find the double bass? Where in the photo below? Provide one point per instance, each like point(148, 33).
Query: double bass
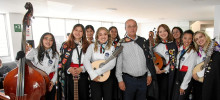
point(26, 82)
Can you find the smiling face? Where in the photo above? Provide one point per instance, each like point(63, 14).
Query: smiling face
point(163, 34)
point(200, 39)
point(102, 36)
point(78, 33)
point(176, 33)
point(187, 39)
point(113, 33)
point(47, 41)
point(89, 33)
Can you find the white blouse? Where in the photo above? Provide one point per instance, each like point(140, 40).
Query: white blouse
point(49, 66)
point(92, 56)
point(162, 50)
point(188, 62)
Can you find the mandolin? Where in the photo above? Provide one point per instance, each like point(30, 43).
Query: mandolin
point(158, 59)
point(205, 63)
point(99, 63)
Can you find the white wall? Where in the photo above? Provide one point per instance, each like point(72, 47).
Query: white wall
point(144, 28)
point(217, 23)
point(15, 37)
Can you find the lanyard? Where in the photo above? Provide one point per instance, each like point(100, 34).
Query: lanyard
point(79, 55)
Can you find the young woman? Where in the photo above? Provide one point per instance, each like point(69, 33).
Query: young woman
point(210, 88)
point(117, 94)
point(71, 65)
point(177, 34)
point(89, 33)
point(100, 50)
point(114, 34)
point(167, 49)
point(45, 57)
point(186, 60)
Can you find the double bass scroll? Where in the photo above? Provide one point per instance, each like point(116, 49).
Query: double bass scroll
point(26, 82)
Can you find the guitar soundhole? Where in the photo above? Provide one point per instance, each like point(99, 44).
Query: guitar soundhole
point(101, 75)
point(157, 63)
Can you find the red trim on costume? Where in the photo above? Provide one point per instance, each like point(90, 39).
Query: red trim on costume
point(184, 68)
point(75, 65)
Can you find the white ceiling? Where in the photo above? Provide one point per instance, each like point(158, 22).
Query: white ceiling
point(141, 10)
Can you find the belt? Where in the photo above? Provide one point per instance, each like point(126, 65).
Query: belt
point(137, 77)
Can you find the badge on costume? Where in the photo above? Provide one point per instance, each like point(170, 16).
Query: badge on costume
point(64, 46)
point(69, 49)
point(172, 67)
point(166, 53)
point(107, 54)
point(183, 58)
point(64, 60)
point(67, 55)
point(203, 59)
point(59, 65)
point(50, 61)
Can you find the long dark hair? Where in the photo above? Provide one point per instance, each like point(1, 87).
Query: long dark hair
point(90, 26)
point(70, 42)
point(41, 48)
point(118, 37)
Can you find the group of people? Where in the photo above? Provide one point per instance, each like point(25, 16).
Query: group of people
point(133, 74)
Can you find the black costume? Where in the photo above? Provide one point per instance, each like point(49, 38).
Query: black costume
point(166, 80)
point(211, 83)
point(65, 80)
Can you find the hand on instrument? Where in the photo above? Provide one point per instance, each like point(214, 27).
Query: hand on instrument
point(96, 79)
point(182, 92)
point(149, 80)
point(51, 86)
point(20, 54)
point(78, 70)
point(158, 71)
point(122, 85)
point(73, 71)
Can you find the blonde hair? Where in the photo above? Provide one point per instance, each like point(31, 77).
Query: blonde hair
point(109, 44)
point(208, 40)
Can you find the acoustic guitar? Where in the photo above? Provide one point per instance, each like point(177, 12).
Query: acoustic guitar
point(100, 63)
point(75, 81)
point(158, 59)
point(205, 63)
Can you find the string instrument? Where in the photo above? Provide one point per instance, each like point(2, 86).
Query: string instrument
point(26, 82)
point(100, 63)
point(158, 59)
point(205, 63)
point(75, 84)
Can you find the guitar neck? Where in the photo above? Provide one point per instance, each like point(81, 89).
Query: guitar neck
point(76, 89)
point(109, 59)
point(206, 62)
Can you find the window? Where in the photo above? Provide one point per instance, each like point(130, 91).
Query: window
point(40, 26)
point(4, 49)
point(106, 24)
point(121, 29)
point(95, 24)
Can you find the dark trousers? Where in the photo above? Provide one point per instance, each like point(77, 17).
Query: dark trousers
point(136, 88)
point(197, 90)
point(51, 95)
point(176, 92)
point(101, 90)
point(163, 80)
point(83, 87)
